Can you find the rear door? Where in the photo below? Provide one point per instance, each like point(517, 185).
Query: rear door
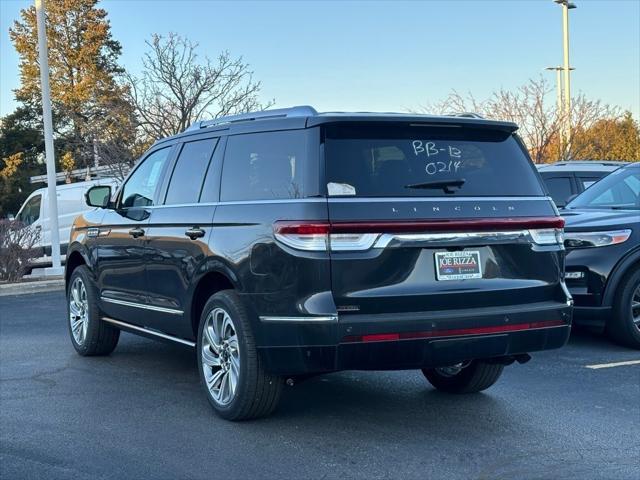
point(435, 218)
point(179, 229)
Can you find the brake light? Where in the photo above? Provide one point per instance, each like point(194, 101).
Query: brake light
point(316, 237)
point(312, 237)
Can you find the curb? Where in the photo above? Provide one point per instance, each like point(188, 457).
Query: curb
point(31, 287)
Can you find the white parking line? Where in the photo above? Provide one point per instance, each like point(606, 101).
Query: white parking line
point(614, 364)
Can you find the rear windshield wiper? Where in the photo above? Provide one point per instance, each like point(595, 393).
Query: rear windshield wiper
point(445, 185)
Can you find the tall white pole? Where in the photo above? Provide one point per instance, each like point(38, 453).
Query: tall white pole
point(560, 106)
point(567, 75)
point(48, 139)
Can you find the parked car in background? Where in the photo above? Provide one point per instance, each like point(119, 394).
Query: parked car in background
point(602, 237)
point(565, 180)
point(71, 202)
point(289, 243)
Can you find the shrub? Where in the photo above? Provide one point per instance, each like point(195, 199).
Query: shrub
point(17, 248)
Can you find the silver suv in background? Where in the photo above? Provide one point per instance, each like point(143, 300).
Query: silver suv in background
point(566, 180)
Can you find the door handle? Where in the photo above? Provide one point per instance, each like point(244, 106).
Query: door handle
point(136, 232)
point(195, 232)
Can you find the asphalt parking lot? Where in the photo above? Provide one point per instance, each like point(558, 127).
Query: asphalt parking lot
point(139, 413)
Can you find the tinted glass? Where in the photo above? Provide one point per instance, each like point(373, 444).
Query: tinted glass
point(189, 172)
point(141, 186)
point(559, 189)
point(621, 189)
point(31, 211)
point(588, 181)
point(264, 166)
point(368, 161)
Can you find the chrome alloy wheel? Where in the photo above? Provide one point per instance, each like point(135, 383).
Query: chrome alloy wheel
point(78, 311)
point(635, 307)
point(220, 356)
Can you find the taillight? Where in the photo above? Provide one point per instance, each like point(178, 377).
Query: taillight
point(360, 236)
point(316, 237)
point(312, 237)
point(547, 236)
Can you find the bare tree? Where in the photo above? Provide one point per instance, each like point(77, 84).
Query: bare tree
point(17, 249)
point(533, 108)
point(176, 89)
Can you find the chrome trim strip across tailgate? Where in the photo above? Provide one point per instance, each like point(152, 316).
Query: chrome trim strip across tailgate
point(454, 238)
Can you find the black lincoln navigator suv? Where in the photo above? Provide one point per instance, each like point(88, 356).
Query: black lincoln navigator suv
point(287, 243)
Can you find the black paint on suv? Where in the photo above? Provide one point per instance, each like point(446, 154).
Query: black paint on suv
point(289, 243)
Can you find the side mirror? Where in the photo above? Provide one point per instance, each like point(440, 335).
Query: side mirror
point(11, 217)
point(98, 196)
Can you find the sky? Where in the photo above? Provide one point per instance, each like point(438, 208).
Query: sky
point(382, 55)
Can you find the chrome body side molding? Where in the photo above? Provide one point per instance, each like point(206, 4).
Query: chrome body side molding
point(328, 318)
point(154, 333)
point(142, 305)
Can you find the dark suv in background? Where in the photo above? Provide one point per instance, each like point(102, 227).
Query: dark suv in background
point(603, 255)
point(566, 180)
point(288, 243)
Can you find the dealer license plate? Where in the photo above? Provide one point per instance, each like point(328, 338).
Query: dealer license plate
point(458, 265)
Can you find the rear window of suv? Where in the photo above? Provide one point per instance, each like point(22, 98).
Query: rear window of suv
point(401, 161)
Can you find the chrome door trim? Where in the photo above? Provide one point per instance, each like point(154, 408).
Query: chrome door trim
point(142, 305)
point(118, 323)
point(328, 318)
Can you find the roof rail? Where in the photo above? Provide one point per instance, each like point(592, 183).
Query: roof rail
point(298, 111)
point(468, 115)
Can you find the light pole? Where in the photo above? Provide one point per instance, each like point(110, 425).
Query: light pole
point(558, 71)
point(56, 268)
point(566, 6)
point(559, 99)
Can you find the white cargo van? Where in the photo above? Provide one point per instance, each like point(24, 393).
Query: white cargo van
point(71, 203)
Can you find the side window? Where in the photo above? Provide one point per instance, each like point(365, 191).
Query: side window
point(588, 181)
point(141, 185)
point(189, 172)
point(626, 192)
point(559, 188)
point(264, 166)
point(31, 211)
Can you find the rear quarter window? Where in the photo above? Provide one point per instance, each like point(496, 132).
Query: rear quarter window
point(264, 166)
point(370, 161)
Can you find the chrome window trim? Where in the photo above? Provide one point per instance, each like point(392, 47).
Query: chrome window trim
point(142, 305)
point(242, 202)
point(328, 318)
point(118, 323)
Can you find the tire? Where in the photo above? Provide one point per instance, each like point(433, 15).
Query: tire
point(622, 326)
point(474, 378)
point(89, 334)
point(234, 360)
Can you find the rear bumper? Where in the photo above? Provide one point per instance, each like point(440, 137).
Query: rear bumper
point(415, 340)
